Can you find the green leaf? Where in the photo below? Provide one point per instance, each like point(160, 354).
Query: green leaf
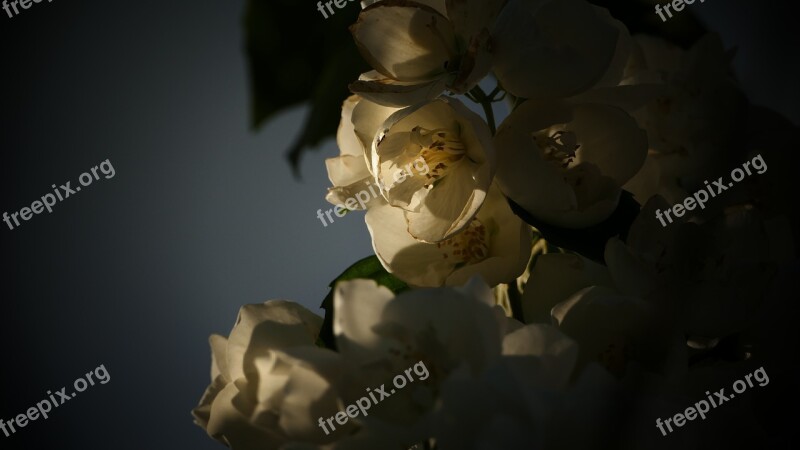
point(368, 268)
point(296, 55)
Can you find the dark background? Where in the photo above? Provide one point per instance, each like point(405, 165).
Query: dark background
point(202, 216)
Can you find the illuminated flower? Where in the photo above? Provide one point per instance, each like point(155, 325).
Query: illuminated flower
point(269, 381)
point(434, 163)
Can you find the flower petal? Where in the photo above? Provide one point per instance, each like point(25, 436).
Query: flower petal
point(359, 304)
point(388, 92)
point(610, 139)
point(219, 357)
point(276, 324)
point(470, 17)
point(557, 49)
point(405, 40)
point(227, 425)
point(555, 278)
point(414, 262)
point(509, 244)
point(447, 208)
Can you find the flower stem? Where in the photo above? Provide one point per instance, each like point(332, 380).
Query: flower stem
point(479, 96)
point(515, 299)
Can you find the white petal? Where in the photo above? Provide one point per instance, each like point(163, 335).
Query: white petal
point(522, 174)
point(361, 120)
point(470, 17)
point(448, 207)
point(219, 357)
point(346, 137)
point(309, 392)
point(346, 170)
point(597, 308)
point(363, 192)
point(359, 305)
point(391, 93)
point(229, 426)
point(622, 53)
point(478, 289)
point(416, 263)
point(555, 278)
point(438, 5)
point(425, 318)
point(202, 412)
point(367, 118)
point(610, 139)
point(557, 353)
point(276, 324)
point(405, 41)
point(509, 244)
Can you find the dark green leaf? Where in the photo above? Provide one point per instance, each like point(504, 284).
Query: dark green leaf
point(296, 55)
point(589, 242)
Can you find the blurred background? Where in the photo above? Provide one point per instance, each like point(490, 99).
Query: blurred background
point(204, 214)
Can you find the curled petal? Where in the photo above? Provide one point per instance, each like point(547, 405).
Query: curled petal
point(392, 93)
point(405, 40)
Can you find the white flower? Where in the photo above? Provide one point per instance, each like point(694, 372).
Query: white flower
point(495, 245)
point(420, 48)
point(270, 382)
point(434, 161)
point(456, 146)
point(557, 48)
point(564, 163)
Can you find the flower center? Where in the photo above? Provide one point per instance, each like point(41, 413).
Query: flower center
point(467, 247)
point(441, 149)
point(558, 148)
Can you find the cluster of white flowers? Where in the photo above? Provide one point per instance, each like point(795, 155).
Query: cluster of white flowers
point(524, 345)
